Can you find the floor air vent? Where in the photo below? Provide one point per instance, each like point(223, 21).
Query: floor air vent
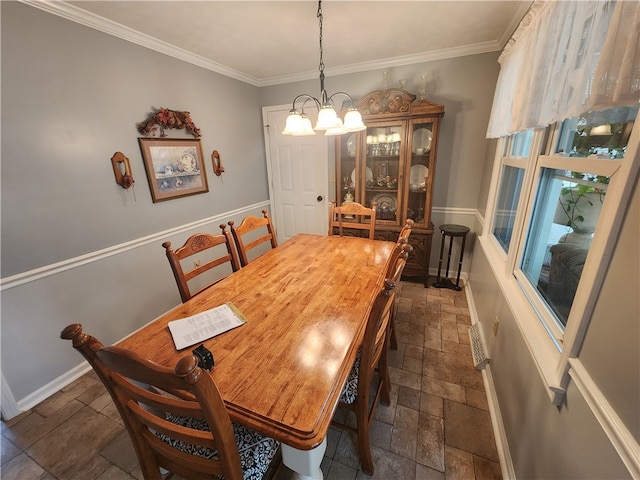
point(480, 358)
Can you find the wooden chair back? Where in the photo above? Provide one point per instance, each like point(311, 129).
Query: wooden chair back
point(195, 245)
point(148, 395)
point(395, 269)
point(406, 230)
point(250, 224)
point(372, 359)
point(352, 215)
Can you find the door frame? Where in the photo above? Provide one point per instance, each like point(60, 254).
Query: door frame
point(267, 143)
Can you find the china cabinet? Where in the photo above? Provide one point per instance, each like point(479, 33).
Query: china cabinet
point(393, 163)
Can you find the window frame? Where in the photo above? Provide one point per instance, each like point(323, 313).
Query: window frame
point(550, 350)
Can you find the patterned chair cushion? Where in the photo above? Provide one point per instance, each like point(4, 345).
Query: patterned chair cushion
point(350, 390)
point(256, 450)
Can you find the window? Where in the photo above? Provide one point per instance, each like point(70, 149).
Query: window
point(514, 162)
point(553, 187)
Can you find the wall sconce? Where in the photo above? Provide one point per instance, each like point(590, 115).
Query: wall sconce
point(122, 170)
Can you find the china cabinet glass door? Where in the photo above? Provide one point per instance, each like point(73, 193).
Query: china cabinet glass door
point(418, 206)
point(346, 175)
point(383, 171)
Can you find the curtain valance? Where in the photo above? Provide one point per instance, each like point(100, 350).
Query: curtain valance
point(567, 58)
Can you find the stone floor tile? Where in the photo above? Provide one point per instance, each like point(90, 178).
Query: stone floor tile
point(426, 473)
point(443, 389)
point(395, 358)
point(449, 331)
point(452, 368)
point(458, 464)
point(447, 308)
point(137, 474)
point(432, 339)
point(388, 466)
point(114, 473)
point(409, 397)
point(338, 471)
point(387, 413)
point(477, 398)
point(21, 468)
point(380, 434)
point(101, 402)
point(486, 469)
point(7, 424)
point(448, 317)
point(83, 389)
point(405, 378)
point(431, 404)
point(65, 451)
point(430, 444)
point(434, 320)
point(412, 364)
point(469, 429)
point(407, 333)
point(347, 451)
point(463, 334)
point(451, 408)
point(120, 452)
point(414, 351)
point(460, 349)
point(8, 450)
point(405, 432)
point(42, 426)
point(333, 436)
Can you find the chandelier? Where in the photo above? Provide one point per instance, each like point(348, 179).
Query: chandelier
point(299, 124)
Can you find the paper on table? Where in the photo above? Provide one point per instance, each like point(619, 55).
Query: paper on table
point(197, 328)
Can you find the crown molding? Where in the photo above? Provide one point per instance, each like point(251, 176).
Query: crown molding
point(91, 20)
point(442, 54)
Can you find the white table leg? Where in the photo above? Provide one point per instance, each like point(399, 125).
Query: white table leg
point(304, 463)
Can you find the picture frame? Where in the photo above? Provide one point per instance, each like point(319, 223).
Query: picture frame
point(175, 167)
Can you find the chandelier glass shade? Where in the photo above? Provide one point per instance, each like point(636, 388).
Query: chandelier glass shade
point(299, 124)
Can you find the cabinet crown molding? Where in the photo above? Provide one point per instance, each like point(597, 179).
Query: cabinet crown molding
point(396, 101)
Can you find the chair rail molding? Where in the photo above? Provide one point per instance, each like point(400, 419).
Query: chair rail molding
point(55, 268)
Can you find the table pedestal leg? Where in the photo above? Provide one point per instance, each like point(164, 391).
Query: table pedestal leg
point(304, 463)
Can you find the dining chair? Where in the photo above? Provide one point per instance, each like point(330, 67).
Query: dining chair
point(406, 229)
point(402, 248)
point(352, 215)
point(251, 224)
point(371, 357)
point(176, 418)
point(204, 246)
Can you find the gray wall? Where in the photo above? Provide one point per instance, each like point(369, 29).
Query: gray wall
point(71, 98)
point(76, 247)
point(546, 441)
point(465, 87)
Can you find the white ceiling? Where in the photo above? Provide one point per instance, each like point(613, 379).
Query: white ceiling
point(271, 42)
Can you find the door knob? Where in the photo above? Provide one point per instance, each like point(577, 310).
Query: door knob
point(320, 198)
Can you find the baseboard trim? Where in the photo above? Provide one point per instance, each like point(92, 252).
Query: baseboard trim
point(52, 387)
point(499, 432)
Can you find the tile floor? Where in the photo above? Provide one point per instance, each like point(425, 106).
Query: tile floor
point(437, 426)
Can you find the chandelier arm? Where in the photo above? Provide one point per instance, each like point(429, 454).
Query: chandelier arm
point(341, 93)
point(306, 97)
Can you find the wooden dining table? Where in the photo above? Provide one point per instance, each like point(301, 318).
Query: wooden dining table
point(281, 373)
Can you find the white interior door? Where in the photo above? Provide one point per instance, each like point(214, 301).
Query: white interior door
point(298, 177)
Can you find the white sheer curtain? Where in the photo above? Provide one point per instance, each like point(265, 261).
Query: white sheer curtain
point(566, 58)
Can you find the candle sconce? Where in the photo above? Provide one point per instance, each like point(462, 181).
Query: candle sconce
point(122, 170)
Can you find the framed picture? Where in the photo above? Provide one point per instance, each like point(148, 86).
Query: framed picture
point(175, 167)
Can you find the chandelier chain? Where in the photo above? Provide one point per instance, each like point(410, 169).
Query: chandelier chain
point(321, 66)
